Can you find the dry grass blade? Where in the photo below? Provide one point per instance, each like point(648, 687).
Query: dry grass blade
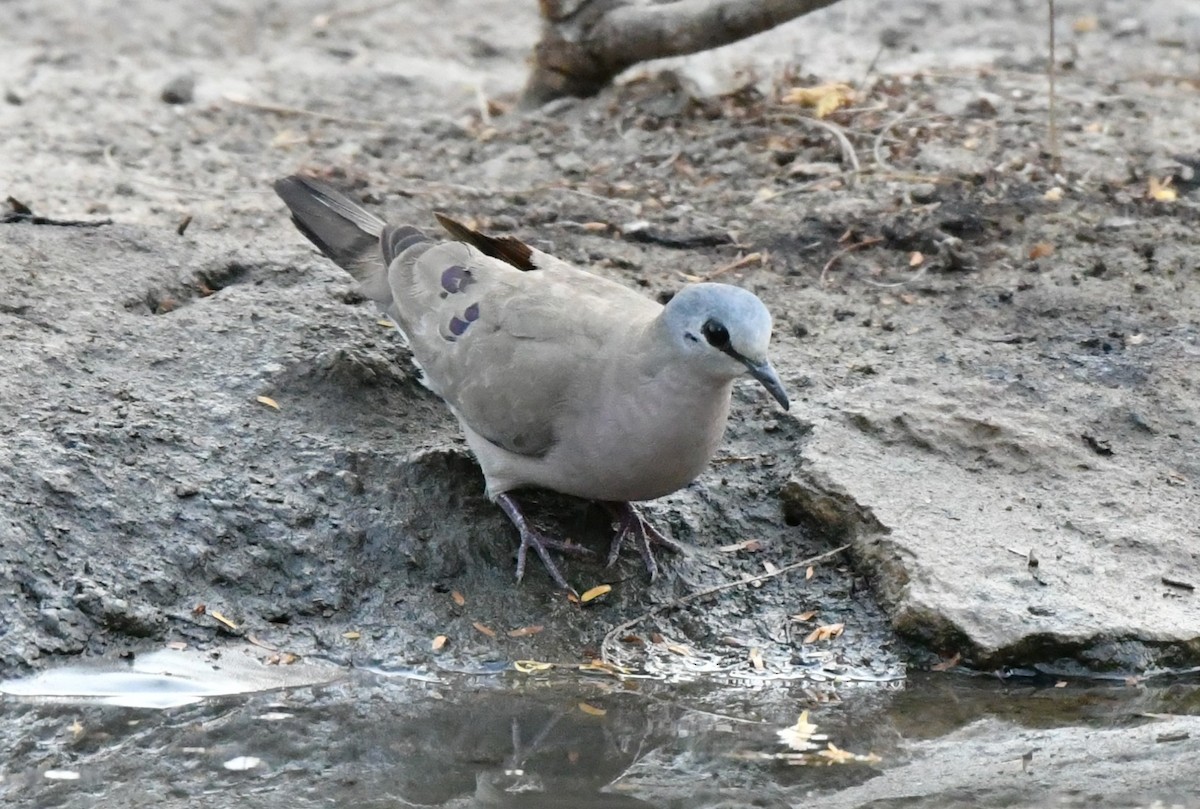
point(1051, 71)
point(282, 109)
point(877, 149)
point(849, 156)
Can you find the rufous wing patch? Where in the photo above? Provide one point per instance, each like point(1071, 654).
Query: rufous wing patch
point(506, 248)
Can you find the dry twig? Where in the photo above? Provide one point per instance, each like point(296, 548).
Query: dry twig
point(837, 256)
point(611, 636)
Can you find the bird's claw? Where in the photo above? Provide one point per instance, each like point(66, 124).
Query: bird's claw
point(632, 526)
point(541, 544)
point(629, 525)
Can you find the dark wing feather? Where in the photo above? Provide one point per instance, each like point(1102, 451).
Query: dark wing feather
point(506, 248)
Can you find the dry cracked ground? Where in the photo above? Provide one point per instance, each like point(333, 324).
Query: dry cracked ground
point(992, 341)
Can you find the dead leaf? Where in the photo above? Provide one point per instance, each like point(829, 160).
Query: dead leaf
point(438, 643)
point(1041, 250)
point(458, 597)
point(946, 665)
point(491, 633)
point(916, 259)
point(531, 666)
point(808, 574)
point(268, 401)
point(287, 138)
point(1055, 194)
point(596, 227)
point(1061, 684)
point(177, 645)
point(825, 632)
point(352, 635)
point(385, 322)
point(592, 710)
point(1161, 190)
point(525, 631)
point(805, 616)
point(223, 619)
point(800, 736)
point(823, 98)
point(679, 649)
point(770, 567)
point(756, 660)
point(595, 592)
point(1085, 25)
point(600, 667)
point(836, 755)
point(746, 545)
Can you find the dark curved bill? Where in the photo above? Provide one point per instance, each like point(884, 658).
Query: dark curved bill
point(765, 373)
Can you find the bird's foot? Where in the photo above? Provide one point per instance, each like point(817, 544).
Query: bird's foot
point(541, 544)
point(632, 526)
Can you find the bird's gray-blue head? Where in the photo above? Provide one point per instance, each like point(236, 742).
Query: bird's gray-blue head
point(725, 331)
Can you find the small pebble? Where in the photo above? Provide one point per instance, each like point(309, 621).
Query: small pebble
point(179, 90)
point(571, 163)
point(923, 193)
point(61, 775)
point(242, 763)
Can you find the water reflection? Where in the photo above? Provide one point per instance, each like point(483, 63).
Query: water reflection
point(507, 741)
point(169, 678)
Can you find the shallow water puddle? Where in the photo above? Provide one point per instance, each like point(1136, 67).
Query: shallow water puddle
point(441, 739)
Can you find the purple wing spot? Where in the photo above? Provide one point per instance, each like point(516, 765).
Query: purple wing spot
point(458, 326)
point(456, 279)
point(472, 313)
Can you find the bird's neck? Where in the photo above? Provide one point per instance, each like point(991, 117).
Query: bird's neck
point(674, 379)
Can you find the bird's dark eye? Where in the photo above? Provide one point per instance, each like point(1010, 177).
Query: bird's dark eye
point(716, 334)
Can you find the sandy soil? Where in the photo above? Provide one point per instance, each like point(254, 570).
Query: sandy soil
point(992, 351)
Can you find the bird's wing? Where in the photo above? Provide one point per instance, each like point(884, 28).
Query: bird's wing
point(511, 350)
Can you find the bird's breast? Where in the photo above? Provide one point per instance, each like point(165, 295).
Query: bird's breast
point(644, 444)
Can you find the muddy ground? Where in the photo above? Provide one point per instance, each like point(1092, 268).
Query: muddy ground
point(992, 348)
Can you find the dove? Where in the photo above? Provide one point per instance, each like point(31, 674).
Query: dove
point(560, 379)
